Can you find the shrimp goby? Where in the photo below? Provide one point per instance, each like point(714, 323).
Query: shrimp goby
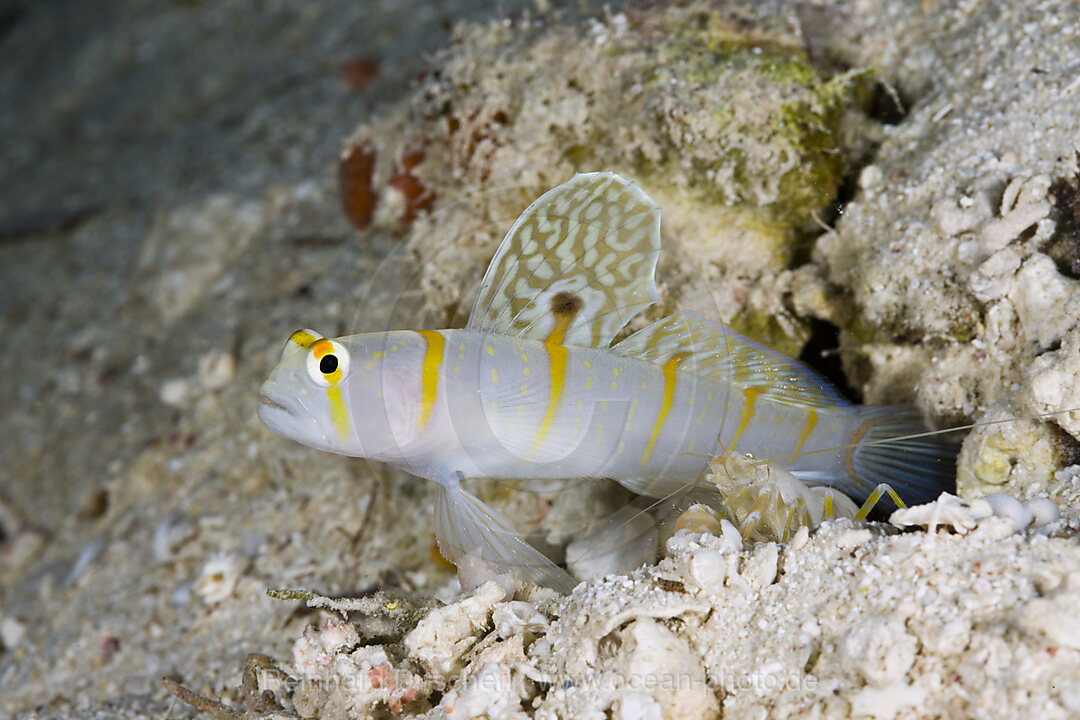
point(533, 388)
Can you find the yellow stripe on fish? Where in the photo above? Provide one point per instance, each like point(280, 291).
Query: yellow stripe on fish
point(429, 375)
point(564, 307)
point(665, 405)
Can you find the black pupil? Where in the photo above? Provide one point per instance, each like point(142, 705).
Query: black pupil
point(328, 364)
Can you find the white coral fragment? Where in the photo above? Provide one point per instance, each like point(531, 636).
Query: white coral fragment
point(1055, 382)
point(1041, 296)
point(1023, 204)
point(707, 570)
point(994, 277)
point(656, 661)
point(881, 650)
point(516, 617)
point(948, 511)
point(313, 652)
point(340, 680)
point(962, 516)
point(887, 701)
point(442, 638)
point(495, 692)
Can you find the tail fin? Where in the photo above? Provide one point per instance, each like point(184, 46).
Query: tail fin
point(465, 525)
point(895, 446)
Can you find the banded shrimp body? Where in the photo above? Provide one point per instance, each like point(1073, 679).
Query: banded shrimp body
point(534, 390)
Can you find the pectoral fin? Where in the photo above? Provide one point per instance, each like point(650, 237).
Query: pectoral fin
point(466, 526)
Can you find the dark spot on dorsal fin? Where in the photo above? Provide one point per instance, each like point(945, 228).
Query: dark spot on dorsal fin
point(566, 304)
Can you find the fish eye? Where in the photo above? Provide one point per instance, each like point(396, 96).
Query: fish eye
point(327, 362)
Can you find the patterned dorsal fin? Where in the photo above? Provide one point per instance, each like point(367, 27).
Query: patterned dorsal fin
point(577, 264)
point(717, 352)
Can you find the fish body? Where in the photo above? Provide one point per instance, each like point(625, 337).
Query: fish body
point(499, 407)
point(533, 388)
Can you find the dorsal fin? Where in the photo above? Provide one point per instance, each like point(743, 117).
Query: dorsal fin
point(578, 264)
point(717, 352)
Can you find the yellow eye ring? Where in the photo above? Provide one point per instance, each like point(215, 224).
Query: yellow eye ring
point(328, 362)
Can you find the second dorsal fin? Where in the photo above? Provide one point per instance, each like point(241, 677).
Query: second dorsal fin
point(717, 352)
point(577, 264)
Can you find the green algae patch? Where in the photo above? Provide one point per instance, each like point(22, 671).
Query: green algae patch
point(751, 109)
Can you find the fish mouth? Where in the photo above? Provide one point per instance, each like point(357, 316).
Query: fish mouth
point(275, 409)
point(265, 401)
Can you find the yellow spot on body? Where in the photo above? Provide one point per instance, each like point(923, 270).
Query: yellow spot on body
point(666, 402)
point(588, 383)
point(525, 371)
point(338, 414)
point(375, 357)
point(603, 405)
point(614, 385)
point(577, 426)
point(524, 388)
point(580, 405)
point(429, 374)
point(616, 372)
point(644, 385)
point(749, 397)
point(461, 351)
point(490, 350)
point(457, 369)
point(588, 365)
point(394, 348)
point(622, 446)
point(633, 407)
point(494, 375)
point(808, 427)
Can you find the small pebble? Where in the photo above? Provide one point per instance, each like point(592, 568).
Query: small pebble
point(175, 392)
point(216, 370)
point(219, 577)
point(1006, 506)
point(1043, 511)
point(12, 632)
point(707, 570)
